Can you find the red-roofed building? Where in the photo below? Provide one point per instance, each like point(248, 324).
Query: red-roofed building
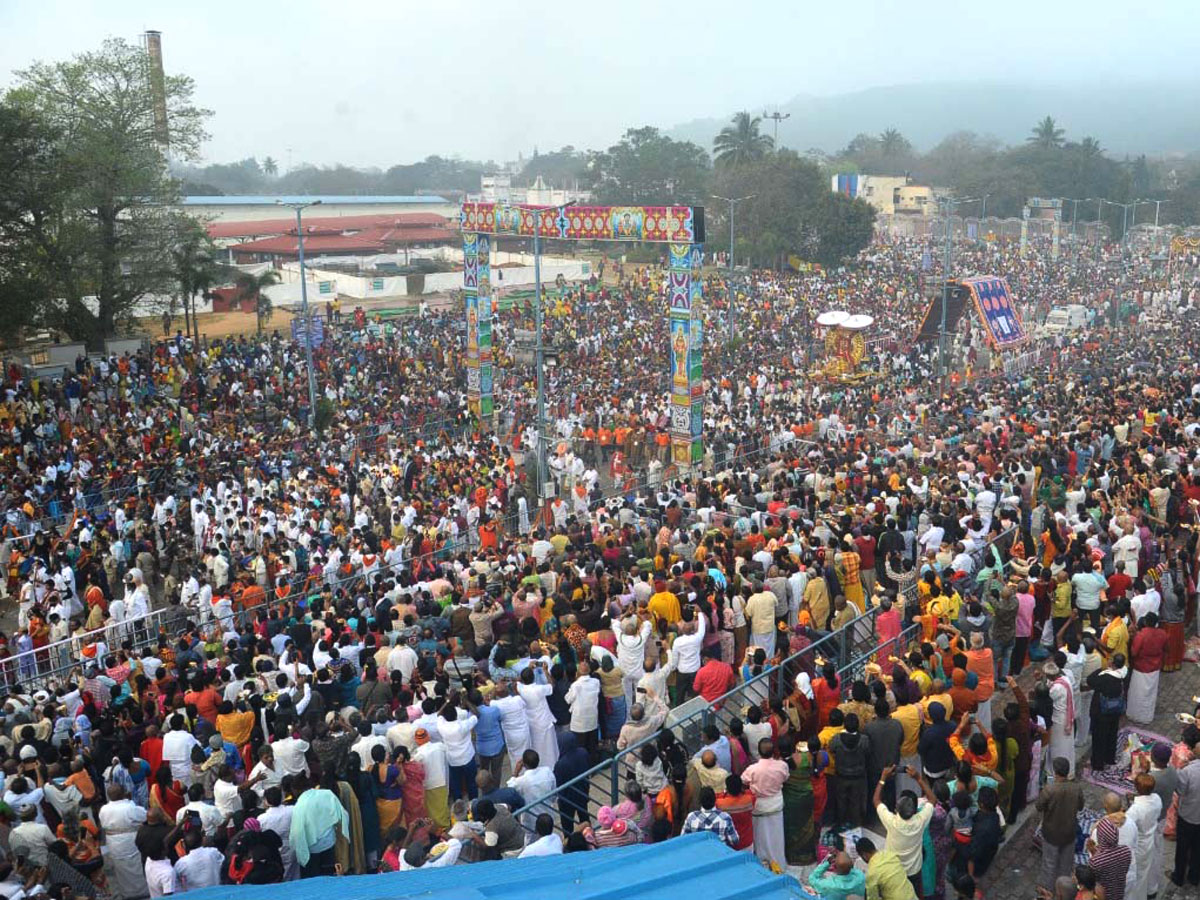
point(274, 239)
point(260, 228)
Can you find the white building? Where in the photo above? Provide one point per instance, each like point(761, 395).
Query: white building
point(496, 188)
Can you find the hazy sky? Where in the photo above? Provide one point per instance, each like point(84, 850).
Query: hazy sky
point(378, 83)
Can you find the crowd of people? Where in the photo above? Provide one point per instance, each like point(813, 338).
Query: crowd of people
point(242, 654)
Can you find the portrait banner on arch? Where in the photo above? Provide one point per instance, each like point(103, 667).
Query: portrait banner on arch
point(997, 311)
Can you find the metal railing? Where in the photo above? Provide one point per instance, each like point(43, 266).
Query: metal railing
point(53, 663)
point(878, 655)
point(601, 784)
point(59, 511)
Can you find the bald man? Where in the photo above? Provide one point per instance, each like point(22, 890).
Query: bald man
point(836, 878)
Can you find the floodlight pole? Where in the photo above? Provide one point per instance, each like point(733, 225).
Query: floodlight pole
point(308, 360)
point(945, 297)
point(539, 349)
point(733, 202)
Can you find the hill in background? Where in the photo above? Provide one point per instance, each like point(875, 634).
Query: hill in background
point(1154, 118)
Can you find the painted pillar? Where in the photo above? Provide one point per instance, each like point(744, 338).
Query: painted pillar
point(685, 335)
point(477, 301)
point(486, 371)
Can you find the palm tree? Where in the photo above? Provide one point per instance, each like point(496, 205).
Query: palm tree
point(195, 268)
point(270, 167)
point(1046, 134)
point(892, 143)
point(742, 141)
point(1090, 148)
point(252, 286)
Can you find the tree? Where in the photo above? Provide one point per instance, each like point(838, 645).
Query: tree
point(433, 173)
point(741, 141)
point(330, 180)
point(270, 167)
point(194, 267)
point(888, 154)
point(893, 144)
point(562, 167)
point(841, 227)
point(959, 157)
point(108, 233)
point(1090, 148)
point(1139, 175)
point(646, 167)
point(791, 211)
point(245, 176)
point(1046, 134)
point(31, 168)
point(252, 286)
point(860, 144)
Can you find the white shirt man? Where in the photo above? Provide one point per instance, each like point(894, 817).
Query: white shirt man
point(138, 602)
point(456, 737)
point(289, 756)
point(1143, 604)
point(550, 845)
point(362, 748)
point(514, 724)
point(226, 797)
point(687, 647)
point(541, 549)
point(433, 757)
point(403, 734)
point(533, 785)
point(402, 659)
point(177, 750)
point(932, 539)
point(279, 820)
point(270, 777)
point(200, 868)
point(32, 839)
point(1125, 550)
point(160, 878)
point(583, 697)
point(210, 818)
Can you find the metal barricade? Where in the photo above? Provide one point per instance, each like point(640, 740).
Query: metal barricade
point(601, 784)
point(52, 664)
point(878, 655)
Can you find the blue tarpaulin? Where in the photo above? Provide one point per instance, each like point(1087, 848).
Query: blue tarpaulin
point(698, 866)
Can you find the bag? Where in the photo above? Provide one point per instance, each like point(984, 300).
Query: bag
point(1112, 706)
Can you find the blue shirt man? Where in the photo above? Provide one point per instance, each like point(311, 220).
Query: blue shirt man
point(489, 738)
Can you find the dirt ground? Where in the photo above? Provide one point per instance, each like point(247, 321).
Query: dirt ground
point(219, 325)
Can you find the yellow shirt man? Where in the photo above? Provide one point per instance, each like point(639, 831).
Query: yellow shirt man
point(909, 717)
point(665, 605)
point(1116, 637)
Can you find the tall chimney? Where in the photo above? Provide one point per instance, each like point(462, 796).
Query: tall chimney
point(158, 90)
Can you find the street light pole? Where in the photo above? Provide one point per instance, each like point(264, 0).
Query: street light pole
point(777, 117)
point(945, 297)
point(948, 203)
point(308, 360)
point(1120, 292)
point(539, 351)
point(733, 202)
point(1157, 206)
